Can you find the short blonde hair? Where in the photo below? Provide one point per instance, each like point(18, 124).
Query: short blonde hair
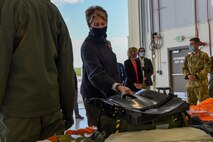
point(94, 11)
point(130, 50)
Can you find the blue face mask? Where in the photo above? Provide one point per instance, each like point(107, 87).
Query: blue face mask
point(141, 54)
point(191, 48)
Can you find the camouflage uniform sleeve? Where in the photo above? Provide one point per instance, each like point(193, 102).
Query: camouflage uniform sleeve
point(207, 68)
point(185, 68)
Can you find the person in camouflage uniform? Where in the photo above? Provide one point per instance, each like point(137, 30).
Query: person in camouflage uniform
point(211, 80)
point(197, 65)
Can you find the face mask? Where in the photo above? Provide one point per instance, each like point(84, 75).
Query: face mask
point(134, 55)
point(141, 54)
point(99, 32)
point(191, 48)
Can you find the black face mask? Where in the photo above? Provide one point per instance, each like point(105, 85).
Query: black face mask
point(99, 32)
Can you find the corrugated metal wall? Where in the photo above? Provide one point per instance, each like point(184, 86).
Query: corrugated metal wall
point(178, 13)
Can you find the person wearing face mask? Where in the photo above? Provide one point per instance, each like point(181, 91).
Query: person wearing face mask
point(197, 65)
point(211, 79)
point(100, 73)
point(134, 76)
point(147, 68)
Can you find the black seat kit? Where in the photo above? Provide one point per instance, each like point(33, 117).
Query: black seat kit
point(145, 110)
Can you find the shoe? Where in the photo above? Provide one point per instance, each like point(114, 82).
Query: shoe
point(68, 122)
point(79, 117)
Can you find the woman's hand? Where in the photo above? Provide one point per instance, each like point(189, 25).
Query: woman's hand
point(138, 85)
point(125, 90)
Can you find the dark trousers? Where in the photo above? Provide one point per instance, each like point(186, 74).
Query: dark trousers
point(76, 103)
point(91, 112)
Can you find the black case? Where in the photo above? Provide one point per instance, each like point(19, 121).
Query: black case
point(145, 110)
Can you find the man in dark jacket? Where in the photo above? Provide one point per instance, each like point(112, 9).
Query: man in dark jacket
point(36, 71)
point(147, 68)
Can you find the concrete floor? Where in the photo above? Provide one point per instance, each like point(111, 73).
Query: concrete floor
point(80, 123)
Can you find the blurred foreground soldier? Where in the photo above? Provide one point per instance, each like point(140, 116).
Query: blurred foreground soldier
point(36, 71)
point(197, 65)
point(211, 79)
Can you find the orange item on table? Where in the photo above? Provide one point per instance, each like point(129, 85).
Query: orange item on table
point(68, 133)
point(204, 110)
point(87, 130)
point(53, 139)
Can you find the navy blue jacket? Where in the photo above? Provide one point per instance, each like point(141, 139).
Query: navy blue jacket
point(121, 71)
point(99, 68)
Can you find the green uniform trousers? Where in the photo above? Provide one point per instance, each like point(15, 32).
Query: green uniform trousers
point(25, 129)
point(196, 94)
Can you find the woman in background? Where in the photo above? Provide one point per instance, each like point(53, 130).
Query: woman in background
point(134, 76)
